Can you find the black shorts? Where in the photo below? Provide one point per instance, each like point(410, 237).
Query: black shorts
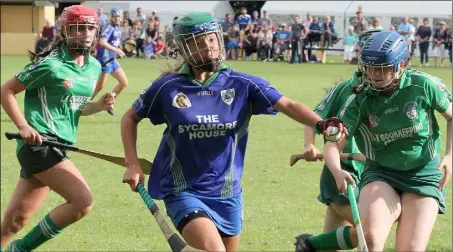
point(36, 159)
point(193, 216)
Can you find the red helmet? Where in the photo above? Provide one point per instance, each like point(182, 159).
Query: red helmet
point(79, 17)
point(78, 14)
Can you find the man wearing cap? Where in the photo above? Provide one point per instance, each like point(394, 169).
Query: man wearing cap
point(282, 43)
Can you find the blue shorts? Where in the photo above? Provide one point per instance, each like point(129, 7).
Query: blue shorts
point(110, 67)
point(226, 213)
point(233, 44)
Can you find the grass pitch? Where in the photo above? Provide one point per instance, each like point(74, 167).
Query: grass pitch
point(279, 201)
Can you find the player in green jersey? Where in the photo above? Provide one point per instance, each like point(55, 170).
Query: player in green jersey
point(338, 212)
point(403, 181)
point(58, 86)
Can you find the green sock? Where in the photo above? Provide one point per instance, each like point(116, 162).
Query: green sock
point(336, 239)
point(44, 231)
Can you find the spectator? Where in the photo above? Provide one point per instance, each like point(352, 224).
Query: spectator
point(411, 39)
point(375, 25)
point(255, 19)
point(151, 31)
point(250, 44)
point(265, 20)
point(264, 42)
point(405, 29)
point(314, 32)
point(47, 31)
point(56, 27)
point(296, 38)
point(233, 41)
point(137, 33)
point(126, 31)
point(127, 18)
point(103, 19)
point(226, 24)
point(244, 19)
point(155, 19)
point(307, 21)
point(439, 41)
point(45, 37)
point(282, 42)
point(330, 35)
point(359, 23)
point(140, 16)
point(350, 42)
point(148, 48)
point(424, 33)
point(159, 48)
point(449, 43)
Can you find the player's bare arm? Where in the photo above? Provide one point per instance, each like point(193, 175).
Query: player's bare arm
point(297, 111)
point(134, 173)
point(104, 43)
point(445, 164)
point(9, 103)
point(332, 152)
point(310, 151)
point(106, 102)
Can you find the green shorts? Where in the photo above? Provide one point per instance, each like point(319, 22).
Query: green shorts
point(36, 159)
point(328, 187)
point(423, 180)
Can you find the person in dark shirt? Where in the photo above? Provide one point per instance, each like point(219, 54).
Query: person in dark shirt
point(424, 33)
point(297, 30)
point(439, 41)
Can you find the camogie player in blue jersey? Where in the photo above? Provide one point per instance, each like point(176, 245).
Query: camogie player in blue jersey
point(109, 46)
point(207, 108)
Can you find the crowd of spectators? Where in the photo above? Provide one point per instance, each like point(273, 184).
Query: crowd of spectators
point(257, 37)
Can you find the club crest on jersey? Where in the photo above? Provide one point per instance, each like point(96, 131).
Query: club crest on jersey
point(181, 101)
point(227, 95)
point(68, 82)
point(411, 110)
point(442, 87)
point(373, 120)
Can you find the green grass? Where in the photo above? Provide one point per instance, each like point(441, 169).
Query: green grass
point(279, 201)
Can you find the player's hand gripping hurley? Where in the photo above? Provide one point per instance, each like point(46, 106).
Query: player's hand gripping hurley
point(176, 243)
point(362, 247)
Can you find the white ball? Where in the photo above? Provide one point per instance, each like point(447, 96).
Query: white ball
point(334, 134)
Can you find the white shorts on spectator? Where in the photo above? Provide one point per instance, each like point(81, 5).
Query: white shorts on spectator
point(439, 51)
point(348, 52)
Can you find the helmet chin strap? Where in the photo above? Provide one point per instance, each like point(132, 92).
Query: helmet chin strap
point(77, 49)
point(211, 66)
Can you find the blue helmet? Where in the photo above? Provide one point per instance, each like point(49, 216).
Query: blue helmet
point(116, 11)
point(383, 51)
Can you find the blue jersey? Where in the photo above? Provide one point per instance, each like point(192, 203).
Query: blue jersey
point(203, 146)
point(243, 21)
point(113, 36)
point(282, 35)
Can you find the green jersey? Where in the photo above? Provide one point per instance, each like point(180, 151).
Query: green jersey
point(330, 106)
point(56, 91)
point(400, 131)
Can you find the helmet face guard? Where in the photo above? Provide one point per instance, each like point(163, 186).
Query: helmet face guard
point(382, 61)
point(117, 13)
point(79, 29)
point(200, 43)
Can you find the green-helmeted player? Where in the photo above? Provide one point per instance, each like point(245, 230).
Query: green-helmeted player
point(338, 212)
point(402, 181)
point(58, 86)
